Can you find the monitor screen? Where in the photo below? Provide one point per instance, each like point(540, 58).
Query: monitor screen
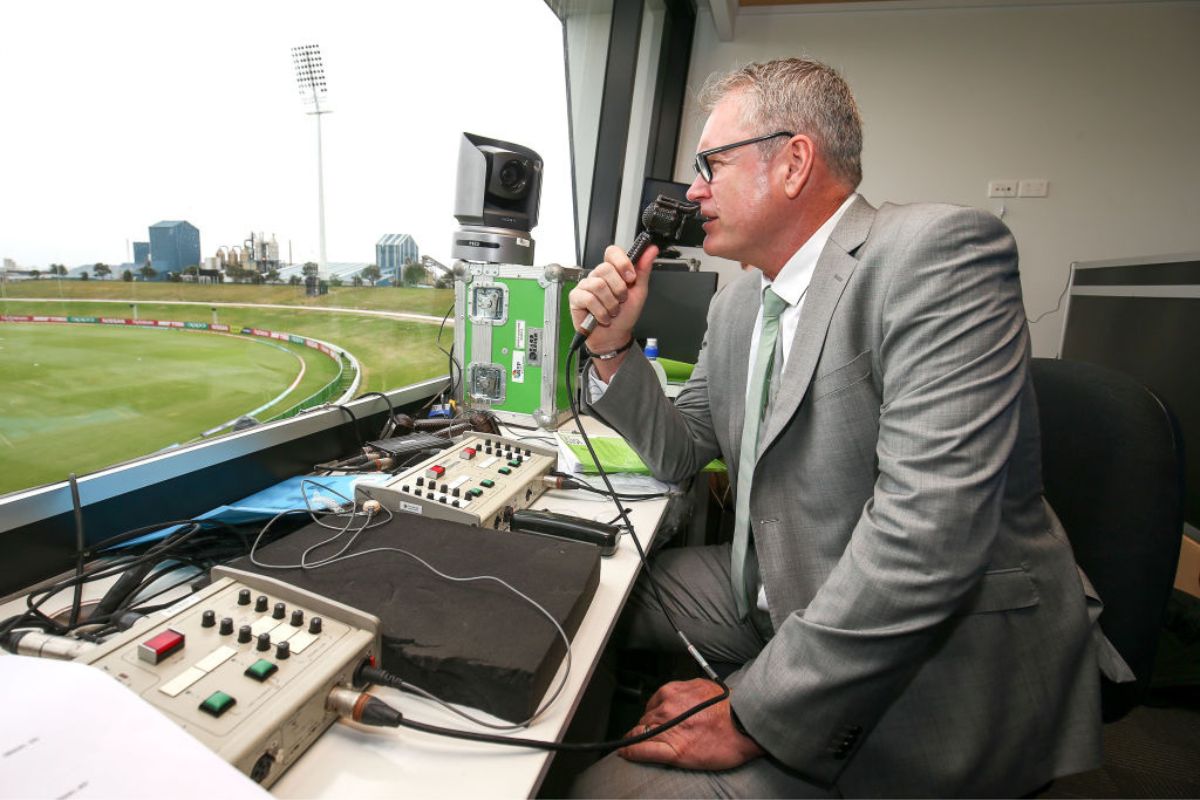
point(1143, 318)
point(676, 312)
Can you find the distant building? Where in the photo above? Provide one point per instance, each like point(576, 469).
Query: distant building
point(262, 255)
point(392, 252)
point(173, 246)
point(141, 253)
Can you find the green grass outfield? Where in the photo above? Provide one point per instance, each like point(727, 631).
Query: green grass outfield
point(392, 353)
point(79, 397)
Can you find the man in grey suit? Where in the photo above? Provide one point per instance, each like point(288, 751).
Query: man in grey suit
point(906, 610)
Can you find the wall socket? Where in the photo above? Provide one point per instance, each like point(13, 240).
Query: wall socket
point(1033, 187)
point(1002, 188)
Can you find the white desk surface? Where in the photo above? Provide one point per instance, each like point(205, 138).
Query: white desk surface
point(350, 760)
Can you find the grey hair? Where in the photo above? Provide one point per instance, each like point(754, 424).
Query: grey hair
point(799, 95)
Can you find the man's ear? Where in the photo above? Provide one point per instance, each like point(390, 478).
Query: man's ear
point(797, 156)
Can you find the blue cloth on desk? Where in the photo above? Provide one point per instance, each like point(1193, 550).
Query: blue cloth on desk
point(284, 496)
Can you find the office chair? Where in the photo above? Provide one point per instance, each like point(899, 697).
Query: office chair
point(1112, 465)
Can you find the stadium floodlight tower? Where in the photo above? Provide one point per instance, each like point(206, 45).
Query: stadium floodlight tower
point(310, 77)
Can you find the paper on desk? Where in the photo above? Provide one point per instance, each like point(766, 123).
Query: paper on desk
point(69, 730)
point(614, 453)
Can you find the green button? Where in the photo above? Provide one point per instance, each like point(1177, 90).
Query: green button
point(217, 704)
point(487, 482)
point(261, 670)
point(514, 463)
point(475, 492)
point(504, 471)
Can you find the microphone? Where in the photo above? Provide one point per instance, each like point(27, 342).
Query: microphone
point(663, 220)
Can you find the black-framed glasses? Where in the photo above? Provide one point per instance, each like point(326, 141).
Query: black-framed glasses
point(704, 169)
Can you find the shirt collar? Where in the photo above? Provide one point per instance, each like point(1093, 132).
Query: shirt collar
point(793, 279)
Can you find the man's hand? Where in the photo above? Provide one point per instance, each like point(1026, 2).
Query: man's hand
point(614, 294)
point(707, 740)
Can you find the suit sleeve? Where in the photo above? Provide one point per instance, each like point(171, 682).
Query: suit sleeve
point(675, 440)
point(953, 354)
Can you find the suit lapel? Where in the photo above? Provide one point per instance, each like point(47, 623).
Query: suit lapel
point(745, 299)
point(829, 280)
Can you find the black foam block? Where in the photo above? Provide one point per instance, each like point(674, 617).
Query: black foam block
point(474, 643)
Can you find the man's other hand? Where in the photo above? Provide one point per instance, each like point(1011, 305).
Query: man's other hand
point(706, 740)
point(613, 293)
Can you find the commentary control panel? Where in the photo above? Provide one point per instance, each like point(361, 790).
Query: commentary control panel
point(480, 480)
point(245, 665)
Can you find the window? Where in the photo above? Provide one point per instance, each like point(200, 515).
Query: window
point(157, 150)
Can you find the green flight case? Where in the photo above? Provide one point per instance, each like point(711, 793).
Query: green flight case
point(512, 332)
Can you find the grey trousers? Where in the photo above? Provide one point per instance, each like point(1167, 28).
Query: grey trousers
point(696, 589)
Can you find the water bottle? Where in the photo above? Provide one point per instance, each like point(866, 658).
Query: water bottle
point(651, 352)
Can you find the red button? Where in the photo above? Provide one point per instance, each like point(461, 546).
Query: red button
point(467, 453)
point(155, 649)
point(435, 472)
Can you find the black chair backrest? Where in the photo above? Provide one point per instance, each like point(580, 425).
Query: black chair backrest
point(1112, 465)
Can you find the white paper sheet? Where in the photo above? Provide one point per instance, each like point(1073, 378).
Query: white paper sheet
point(70, 731)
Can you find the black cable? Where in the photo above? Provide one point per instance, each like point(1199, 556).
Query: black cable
point(172, 547)
point(391, 410)
point(385, 714)
point(358, 437)
point(451, 362)
point(80, 546)
point(1057, 305)
point(625, 517)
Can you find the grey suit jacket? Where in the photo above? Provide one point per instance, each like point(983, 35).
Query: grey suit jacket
point(931, 631)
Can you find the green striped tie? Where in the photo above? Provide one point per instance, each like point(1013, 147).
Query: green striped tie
point(760, 378)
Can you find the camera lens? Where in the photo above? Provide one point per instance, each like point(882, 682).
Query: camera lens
point(514, 175)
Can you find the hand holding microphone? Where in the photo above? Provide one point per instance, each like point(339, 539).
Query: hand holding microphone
point(618, 286)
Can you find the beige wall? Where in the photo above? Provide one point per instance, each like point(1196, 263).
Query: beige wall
point(1103, 100)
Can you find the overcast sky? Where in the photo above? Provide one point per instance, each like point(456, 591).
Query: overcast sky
point(119, 114)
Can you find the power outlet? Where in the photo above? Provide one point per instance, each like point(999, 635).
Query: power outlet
point(1033, 187)
point(1002, 188)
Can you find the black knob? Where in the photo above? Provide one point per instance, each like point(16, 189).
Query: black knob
point(420, 481)
point(226, 626)
point(244, 597)
point(264, 641)
point(260, 604)
point(244, 634)
point(208, 619)
point(314, 625)
point(283, 650)
point(280, 610)
point(297, 618)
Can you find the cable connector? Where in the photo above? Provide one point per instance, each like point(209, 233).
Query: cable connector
point(709, 671)
point(557, 480)
point(362, 708)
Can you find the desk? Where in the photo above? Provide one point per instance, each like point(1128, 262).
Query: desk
point(354, 761)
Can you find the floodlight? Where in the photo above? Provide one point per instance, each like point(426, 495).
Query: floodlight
point(310, 78)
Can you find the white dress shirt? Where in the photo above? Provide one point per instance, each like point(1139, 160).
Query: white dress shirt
point(791, 284)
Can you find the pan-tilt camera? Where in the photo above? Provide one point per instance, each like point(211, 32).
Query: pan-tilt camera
point(496, 201)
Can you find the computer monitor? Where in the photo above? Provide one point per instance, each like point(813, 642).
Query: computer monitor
point(1142, 317)
point(676, 312)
